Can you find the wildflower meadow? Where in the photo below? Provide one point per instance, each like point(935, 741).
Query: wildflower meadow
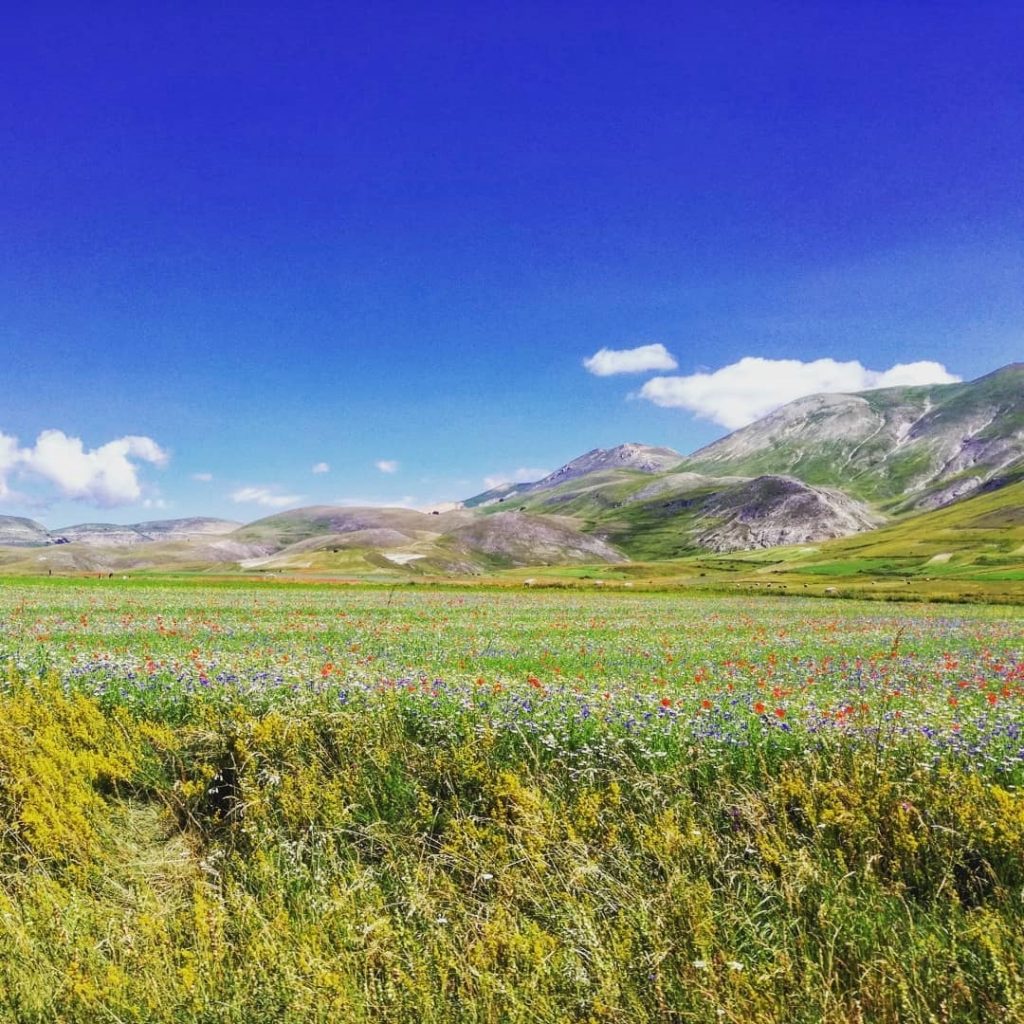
point(267, 802)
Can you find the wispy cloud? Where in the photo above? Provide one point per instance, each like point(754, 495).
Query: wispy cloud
point(607, 362)
point(744, 391)
point(105, 476)
point(387, 465)
point(202, 478)
point(264, 496)
point(523, 475)
point(320, 467)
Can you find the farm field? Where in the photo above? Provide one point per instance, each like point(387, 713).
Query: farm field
point(251, 801)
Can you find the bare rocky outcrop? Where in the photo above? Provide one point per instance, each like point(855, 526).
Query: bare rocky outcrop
point(771, 511)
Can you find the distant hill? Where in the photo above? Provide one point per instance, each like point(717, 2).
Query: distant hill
point(183, 544)
point(459, 541)
point(16, 531)
point(113, 535)
point(329, 539)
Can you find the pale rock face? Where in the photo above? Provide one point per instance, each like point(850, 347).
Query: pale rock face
point(819, 418)
point(773, 510)
point(641, 458)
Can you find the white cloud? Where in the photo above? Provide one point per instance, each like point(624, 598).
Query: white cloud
point(202, 478)
point(746, 390)
point(609, 361)
point(105, 476)
point(264, 496)
point(523, 475)
point(321, 467)
point(387, 465)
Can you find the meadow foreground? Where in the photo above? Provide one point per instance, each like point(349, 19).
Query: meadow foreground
point(254, 802)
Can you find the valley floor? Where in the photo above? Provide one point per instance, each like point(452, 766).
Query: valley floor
point(252, 801)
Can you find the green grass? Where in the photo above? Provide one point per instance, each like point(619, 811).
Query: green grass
point(854, 567)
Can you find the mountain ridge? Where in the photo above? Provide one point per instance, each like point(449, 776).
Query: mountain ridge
point(902, 448)
point(819, 468)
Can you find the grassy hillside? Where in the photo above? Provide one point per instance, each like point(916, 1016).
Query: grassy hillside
point(971, 550)
point(981, 537)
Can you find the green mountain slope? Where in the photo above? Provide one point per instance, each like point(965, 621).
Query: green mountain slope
point(899, 448)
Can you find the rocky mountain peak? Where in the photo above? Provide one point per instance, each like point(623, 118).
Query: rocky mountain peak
point(642, 458)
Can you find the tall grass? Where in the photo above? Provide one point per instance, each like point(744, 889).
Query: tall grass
point(374, 861)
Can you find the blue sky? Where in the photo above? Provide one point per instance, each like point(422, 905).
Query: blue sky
point(270, 237)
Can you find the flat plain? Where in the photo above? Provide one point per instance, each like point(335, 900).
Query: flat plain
point(252, 801)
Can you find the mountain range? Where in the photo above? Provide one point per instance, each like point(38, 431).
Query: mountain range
point(817, 469)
